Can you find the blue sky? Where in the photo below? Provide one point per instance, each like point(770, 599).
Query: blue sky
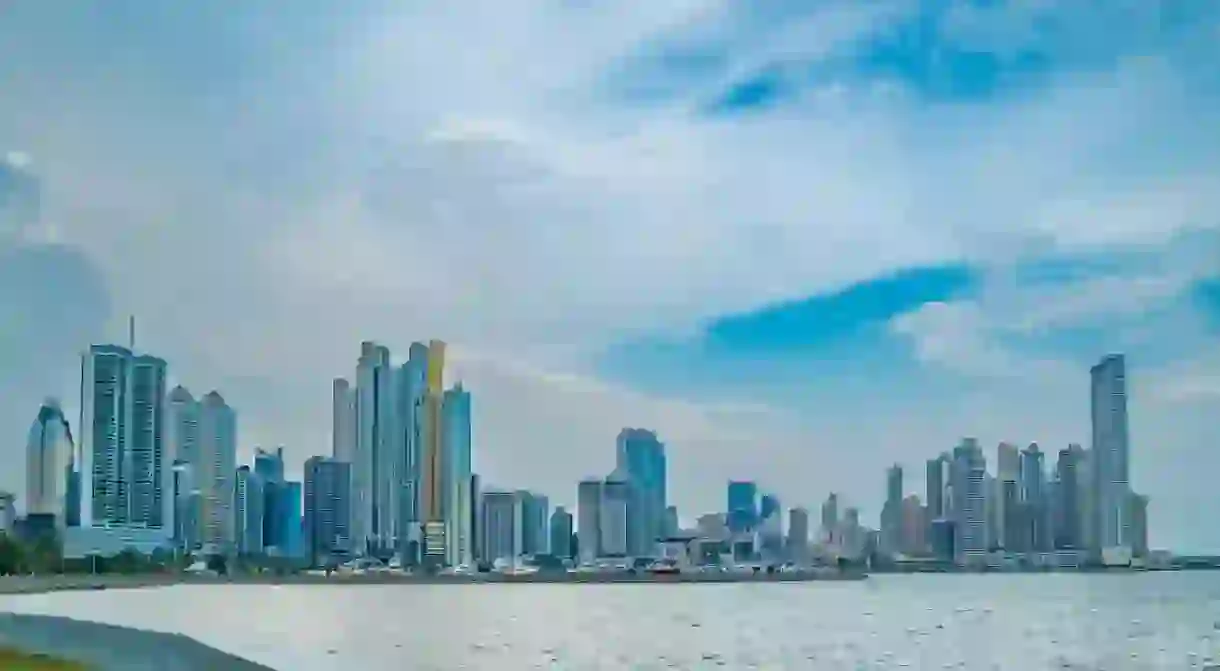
point(802, 240)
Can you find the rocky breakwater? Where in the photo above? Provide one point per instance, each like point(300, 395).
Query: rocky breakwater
point(104, 647)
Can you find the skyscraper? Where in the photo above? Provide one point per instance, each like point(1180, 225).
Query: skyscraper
point(891, 512)
point(248, 511)
point(122, 415)
point(588, 518)
point(456, 436)
point(326, 508)
point(502, 526)
point(432, 472)
point(269, 466)
point(561, 533)
point(1034, 498)
point(742, 507)
point(215, 472)
point(1008, 468)
point(182, 444)
point(1110, 481)
point(641, 456)
point(48, 461)
point(343, 420)
point(378, 463)
point(798, 534)
point(412, 388)
point(614, 521)
point(968, 481)
point(830, 519)
point(1067, 509)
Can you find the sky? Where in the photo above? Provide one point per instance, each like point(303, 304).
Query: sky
point(800, 239)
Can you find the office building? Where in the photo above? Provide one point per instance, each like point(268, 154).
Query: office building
point(830, 519)
point(182, 446)
point(1066, 520)
point(248, 512)
point(290, 519)
point(1008, 470)
point(1110, 481)
point(502, 527)
point(588, 518)
point(379, 462)
point(48, 460)
point(343, 420)
point(122, 448)
point(1137, 513)
point(8, 512)
point(615, 515)
point(798, 535)
point(742, 507)
point(432, 491)
point(891, 511)
point(412, 389)
point(456, 437)
point(327, 510)
point(535, 530)
point(269, 467)
point(215, 471)
point(1035, 497)
point(641, 456)
point(561, 533)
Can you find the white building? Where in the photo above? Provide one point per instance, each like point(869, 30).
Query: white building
point(215, 471)
point(124, 465)
point(47, 459)
point(182, 447)
point(1109, 455)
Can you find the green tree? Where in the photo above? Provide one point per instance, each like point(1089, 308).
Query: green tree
point(46, 554)
point(13, 556)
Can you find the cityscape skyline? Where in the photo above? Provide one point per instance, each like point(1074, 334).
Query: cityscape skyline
point(805, 264)
point(399, 483)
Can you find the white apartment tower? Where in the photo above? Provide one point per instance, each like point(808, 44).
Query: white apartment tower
point(214, 473)
point(1109, 455)
point(124, 465)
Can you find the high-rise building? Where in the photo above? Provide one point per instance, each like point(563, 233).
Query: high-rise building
point(561, 533)
point(182, 445)
point(432, 472)
point(1008, 469)
point(891, 511)
point(798, 534)
point(456, 437)
point(476, 517)
point(326, 509)
point(641, 456)
point(412, 387)
point(183, 497)
point(535, 513)
point(269, 466)
point(934, 488)
point(215, 471)
point(48, 462)
point(379, 459)
point(830, 519)
point(614, 521)
point(8, 512)
point(502, 526)
point(968, 482)
point(248, 511)
point(1034, 498)
point(742, 507)
point(1110, 481)
point(1067, 508)
point(588, 518)
point(1138, 514)
point(122, 439)
point(343, 420)
point(290, 518)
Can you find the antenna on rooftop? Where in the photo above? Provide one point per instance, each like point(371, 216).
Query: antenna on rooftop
point(131, 332)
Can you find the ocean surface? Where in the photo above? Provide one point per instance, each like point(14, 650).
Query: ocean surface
point(1020, 622)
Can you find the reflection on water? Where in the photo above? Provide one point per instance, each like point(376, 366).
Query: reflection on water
point(1021, 622)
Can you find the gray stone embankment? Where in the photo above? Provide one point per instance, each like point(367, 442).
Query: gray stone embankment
point(105, 647)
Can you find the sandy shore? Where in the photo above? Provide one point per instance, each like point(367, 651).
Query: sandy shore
point(104, 647)
point(57, 583)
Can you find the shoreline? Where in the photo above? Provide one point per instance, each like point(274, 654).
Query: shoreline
point(17, 585)
point(69, 643)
